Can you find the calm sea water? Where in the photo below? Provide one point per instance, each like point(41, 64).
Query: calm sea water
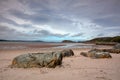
point(22, 45)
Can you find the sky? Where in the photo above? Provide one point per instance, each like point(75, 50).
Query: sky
point(57, 20)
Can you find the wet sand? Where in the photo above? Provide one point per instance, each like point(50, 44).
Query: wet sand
point(73, 68)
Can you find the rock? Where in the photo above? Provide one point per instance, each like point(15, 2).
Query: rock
point(84, 54)
point(67, 53)
point(96, 54)
point(29, 60)
point(101, 55)
point(116, 51)
point(117, 46)
point(95, 50)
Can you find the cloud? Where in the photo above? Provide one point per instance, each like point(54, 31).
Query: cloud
point(59, 19)
point(4, 30)
point(8, 33)
point(77, 35)
point(108, 21)
point(12, 32)
point(43, 33)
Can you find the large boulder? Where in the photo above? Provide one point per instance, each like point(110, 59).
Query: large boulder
point(117, 46)
point(29, 60)
point(67, 53)
point(96, 54)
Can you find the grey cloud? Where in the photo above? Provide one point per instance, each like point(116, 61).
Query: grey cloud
point(36, 4)
point(43, 33)
point(92, 10)
point(54, 20)
point(6, 33)
point(108, 21)
point(12, 34)
point(62, 35)
point(5, 20)
point(100, 34)
point(60, 15)
point(87, 9)
point(40, 18)
point(78, 35)
point(18, 14)
point(4, 29)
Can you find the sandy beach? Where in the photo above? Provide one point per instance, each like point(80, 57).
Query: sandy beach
point(76, 67)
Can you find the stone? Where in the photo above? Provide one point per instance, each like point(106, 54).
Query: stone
point(117, 46)
point(116, 51)
point(100, 55)
point(95, 53)
point(67, 53)
point(50, 60)
point(84, 54)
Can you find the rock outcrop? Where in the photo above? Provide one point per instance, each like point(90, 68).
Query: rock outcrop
point(50, 60)
point(96, 54)
point(67, 53)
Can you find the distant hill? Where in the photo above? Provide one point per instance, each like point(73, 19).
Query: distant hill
point(2, 40)
point(105, 40)
point(67, 41)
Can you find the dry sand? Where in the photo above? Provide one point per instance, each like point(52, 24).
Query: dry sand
point(73, 68)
